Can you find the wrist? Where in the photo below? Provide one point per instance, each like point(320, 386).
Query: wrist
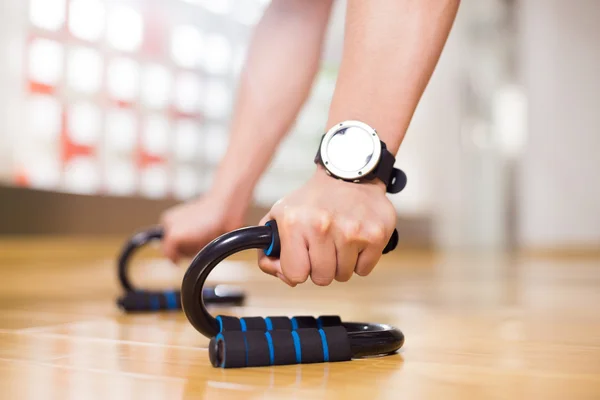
point(231, 188)
point(231, 197)
point(322, 175)
point(240, 169)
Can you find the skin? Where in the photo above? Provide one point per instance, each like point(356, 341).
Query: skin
point(269, 97)
point(391, 48)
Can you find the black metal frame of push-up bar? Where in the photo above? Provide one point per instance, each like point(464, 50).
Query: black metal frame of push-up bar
point(256, 341)
point(135, 299)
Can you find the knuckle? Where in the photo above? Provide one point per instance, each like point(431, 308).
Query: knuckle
point(321, 222)
point(376, 234)
point(351, 231)
point(290, 217)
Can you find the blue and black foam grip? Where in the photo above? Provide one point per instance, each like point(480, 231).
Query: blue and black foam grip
point(255, 341)
point(227, 323)
point(240, 349)
point(170, 300)
point(258, 342)
point(139, 300)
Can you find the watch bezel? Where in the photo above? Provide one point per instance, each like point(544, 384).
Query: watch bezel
point(359, 173)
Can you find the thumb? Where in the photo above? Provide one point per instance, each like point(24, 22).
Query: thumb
point(268, 265)
point(271, 265)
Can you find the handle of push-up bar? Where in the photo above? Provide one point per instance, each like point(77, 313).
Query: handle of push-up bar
point(239, 349)
point(140, 300)
point(229, 324)
point(150, 301)
point(274, 248)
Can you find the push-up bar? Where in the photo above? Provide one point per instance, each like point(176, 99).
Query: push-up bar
point(139, 300)
point(256, 341)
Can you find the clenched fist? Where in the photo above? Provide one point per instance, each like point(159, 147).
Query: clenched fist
point(191, 226)
point(330, 229)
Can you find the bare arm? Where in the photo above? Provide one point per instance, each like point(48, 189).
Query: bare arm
point(282, 63)
point(329, 228)
point(283, 59)
point(390, 51)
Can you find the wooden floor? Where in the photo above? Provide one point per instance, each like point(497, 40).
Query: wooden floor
point(476, 327)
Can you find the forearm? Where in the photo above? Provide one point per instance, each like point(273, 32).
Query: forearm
point(282, 62)
point(391, 49)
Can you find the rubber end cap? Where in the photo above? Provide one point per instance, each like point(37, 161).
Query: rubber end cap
point(274, 249)
point(216, 352)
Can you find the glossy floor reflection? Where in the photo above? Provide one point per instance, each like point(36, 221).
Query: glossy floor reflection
point(476, 327)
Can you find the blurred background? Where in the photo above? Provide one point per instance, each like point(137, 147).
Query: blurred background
point(111, 111)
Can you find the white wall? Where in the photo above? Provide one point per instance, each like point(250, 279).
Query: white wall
point(456, 172)
point(11, 58)
point(560, 181)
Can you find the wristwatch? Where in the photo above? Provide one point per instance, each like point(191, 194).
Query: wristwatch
point(352, 151)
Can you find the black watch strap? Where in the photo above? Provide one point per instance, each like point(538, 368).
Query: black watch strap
point(395, 179)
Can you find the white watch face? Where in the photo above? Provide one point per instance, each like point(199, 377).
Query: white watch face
point(350, 150)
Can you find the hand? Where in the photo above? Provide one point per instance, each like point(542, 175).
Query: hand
point(330, 229)
point(191, 226)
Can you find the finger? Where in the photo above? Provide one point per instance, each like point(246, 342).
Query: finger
point(348, 243)
point(285, 280)
point(347, 258)
point(189, 245)
point(268, 265)
point(370, 255)
point(295, 262)
point(169, 249)
point(322, 255)
point(272, 266)
point(165, 219)
point(367, 260)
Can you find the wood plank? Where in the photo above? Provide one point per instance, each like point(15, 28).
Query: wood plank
point(477, 326)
